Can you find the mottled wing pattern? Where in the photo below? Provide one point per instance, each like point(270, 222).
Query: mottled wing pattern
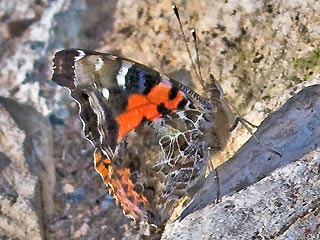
point(151, 133)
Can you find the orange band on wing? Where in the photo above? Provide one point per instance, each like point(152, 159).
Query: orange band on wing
point(102, 165)
point(121, 186)
point(132, 203)
point(140, 106)
point(160, 94)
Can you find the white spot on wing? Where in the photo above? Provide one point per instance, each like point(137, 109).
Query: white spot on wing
point(165, 79)
point(99, 64)
point(181, 114)
point(121, 76)
point(81, 55)
point(105, 93)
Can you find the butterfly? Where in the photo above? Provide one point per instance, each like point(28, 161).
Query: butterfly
point(153, 136)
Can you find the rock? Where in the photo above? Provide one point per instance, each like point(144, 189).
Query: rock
point(284, 205)
point(259, 51)
point(20, 197)
point(37, 147)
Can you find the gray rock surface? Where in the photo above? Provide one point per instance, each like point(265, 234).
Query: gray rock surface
point(262, 53)
point(20, 201)
point(284, 205)
point(37, 148)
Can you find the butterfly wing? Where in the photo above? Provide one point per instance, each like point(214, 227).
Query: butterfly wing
point(148, 130)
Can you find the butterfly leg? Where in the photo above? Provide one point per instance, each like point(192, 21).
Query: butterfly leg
point(242, 120)
point(216, 178)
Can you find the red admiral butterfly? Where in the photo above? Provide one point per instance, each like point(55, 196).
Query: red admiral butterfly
point(153, 136)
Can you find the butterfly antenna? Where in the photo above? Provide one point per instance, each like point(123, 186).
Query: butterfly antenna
point(176, 12)
point(196, 45)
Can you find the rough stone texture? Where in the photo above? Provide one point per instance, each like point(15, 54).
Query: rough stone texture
point(284, 205)
point(37, 148)
point(20, 206)
point(262, 53)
